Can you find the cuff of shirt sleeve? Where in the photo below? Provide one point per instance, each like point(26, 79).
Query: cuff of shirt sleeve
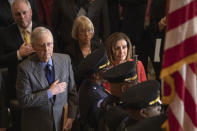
point(50, 95)
point(18, 55)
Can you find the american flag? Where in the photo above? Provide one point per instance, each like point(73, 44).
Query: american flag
point(179, 66)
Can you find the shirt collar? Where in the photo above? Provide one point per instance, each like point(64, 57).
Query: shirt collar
point(29, 28)
point(50, 62)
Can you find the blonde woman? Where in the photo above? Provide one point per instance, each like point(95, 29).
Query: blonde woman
point(82, 34)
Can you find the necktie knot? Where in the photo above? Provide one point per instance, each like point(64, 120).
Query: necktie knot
point(26, 36)
point(48, 67)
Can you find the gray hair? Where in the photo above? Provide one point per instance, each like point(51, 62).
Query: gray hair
point(18, 1)
point(81, 21)
point(39, 32)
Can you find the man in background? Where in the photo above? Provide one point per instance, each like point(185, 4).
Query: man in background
point(15, 47)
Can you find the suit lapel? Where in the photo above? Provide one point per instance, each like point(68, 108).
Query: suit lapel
point(39, 73)
point(57, 67)
point(17, 35)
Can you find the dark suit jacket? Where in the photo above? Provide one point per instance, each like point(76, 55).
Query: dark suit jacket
point(157, 11)
point(133, 22)
point(89, 95)
point(62, 17)
point(152, 124)
point(6, 15)
point(39, 112)
point(114, 15)
point(4, 121)
point(77, 57)
point(98, 13)
point(10, 42)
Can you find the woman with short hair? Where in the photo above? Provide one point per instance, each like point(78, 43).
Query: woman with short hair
point(82, 34)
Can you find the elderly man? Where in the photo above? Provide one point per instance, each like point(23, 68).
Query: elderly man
point(15, 47)
point(6, 15)
point(15, 41)
point(45, 84)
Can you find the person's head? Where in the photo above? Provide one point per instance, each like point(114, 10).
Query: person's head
point(22, 13)
point(83, 29)
point(94, 65)
point(121, 77)
point(118, 48)
point(143, 100)
point(42, 42)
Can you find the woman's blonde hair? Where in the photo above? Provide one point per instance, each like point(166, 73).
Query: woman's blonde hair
point(111, 43)
point(84, 22)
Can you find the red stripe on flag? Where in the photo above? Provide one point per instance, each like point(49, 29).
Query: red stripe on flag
point(193, 67)
point(190, 107)
point(181, 15)
point(167, 89)
point(175, 56)
point(180, 51)
point(174, 125)
point(179, 85)
point(185, 96)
